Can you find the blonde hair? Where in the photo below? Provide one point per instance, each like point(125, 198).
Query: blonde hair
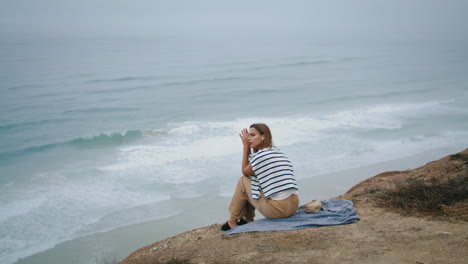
point(264, 130)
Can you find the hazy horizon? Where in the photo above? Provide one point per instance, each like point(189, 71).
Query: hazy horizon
point(55, 18)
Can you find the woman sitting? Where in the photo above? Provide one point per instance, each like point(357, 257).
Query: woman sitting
point(268, 184)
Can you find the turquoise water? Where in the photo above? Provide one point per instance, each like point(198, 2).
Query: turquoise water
point(97, 134)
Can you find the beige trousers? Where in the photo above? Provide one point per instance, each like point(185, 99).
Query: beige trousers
point(242, 203)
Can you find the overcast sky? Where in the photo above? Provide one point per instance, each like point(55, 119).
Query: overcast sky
point(157, 17)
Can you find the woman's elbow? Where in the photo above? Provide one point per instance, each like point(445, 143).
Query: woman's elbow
point(247, 171)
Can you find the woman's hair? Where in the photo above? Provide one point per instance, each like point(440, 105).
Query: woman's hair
point(264, 130)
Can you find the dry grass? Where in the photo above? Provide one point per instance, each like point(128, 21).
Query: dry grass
point(459, 156)
point(424, 196)
point(178, 261)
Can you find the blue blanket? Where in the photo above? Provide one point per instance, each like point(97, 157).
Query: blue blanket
point(333, 212)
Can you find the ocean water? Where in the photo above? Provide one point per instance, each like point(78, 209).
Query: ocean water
point(97, 134)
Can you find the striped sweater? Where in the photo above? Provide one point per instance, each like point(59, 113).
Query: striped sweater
point(273, 173)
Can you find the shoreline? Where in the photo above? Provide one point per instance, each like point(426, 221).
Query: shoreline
point(120, 242)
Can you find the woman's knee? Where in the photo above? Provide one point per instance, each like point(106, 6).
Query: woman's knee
point(245, 182)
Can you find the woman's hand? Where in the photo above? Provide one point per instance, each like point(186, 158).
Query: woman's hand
point(246, 167)
point(244, 135)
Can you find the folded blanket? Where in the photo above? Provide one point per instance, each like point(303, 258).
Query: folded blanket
point(333, 212)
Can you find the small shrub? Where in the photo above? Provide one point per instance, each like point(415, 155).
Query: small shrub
point(459, 156)
point(427, 195)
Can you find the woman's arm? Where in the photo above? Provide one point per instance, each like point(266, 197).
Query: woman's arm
point(246, 167)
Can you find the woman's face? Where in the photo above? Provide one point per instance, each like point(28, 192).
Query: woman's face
point(255, 138)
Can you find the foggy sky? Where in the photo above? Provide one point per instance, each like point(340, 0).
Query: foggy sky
point(156, 17)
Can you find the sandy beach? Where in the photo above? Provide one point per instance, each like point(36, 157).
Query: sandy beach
point(119, 243)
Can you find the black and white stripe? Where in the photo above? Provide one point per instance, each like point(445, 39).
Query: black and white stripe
point(273, 173)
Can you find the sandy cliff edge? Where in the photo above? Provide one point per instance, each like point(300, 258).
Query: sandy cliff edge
point(382, 235)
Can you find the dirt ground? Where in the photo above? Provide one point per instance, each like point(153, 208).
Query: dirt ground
point(381, 236)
